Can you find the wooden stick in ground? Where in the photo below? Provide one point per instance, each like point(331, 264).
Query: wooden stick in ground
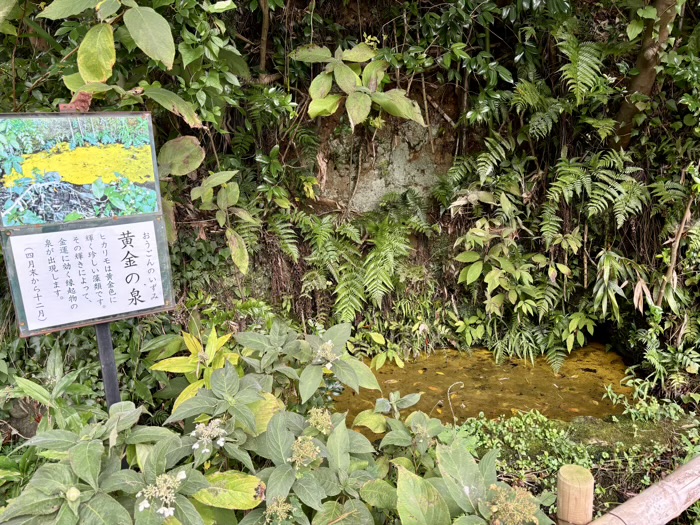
point(660, 503)
point(574, 495)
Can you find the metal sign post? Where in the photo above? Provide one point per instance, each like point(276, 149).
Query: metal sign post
point(81, 224)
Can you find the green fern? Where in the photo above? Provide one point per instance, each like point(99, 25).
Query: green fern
point(582, 73)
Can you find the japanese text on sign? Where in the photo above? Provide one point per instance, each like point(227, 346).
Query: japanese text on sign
point(79, 275)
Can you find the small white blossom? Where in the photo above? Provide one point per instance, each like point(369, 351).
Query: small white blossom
point(144, 505)
point(466, 490)
point(205, 451)
point(166, 512)
point(221, 442)
point(329, 366)
point(181, 475)
point(195, 446)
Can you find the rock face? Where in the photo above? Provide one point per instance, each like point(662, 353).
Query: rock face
point(398, 158)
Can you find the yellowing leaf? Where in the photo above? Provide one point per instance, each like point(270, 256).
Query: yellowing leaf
point(178, 365)
point(96, 54)
point(264, 409)
point(345, 77)
point(324, 107)
point(360, 53)
point(188, 393)
point(377, 338)
point(152, 34)
point(232, 490)
point(239, 251)
point(192, 344)
point(321, 86)
point(358, 106)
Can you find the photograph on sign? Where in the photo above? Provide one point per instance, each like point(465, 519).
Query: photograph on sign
point(65, 168)
point(76, 276)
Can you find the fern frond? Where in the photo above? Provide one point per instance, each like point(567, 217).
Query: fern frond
point(582, 73)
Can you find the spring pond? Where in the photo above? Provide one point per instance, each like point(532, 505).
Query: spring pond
point(499, 389)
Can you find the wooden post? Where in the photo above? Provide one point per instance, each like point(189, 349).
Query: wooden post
point(660, 503)
point(574, 495)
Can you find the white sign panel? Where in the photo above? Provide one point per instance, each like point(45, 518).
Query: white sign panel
point(80, 275)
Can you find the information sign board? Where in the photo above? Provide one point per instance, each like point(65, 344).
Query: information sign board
point(80, 219)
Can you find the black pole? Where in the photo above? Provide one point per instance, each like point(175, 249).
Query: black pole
point(109, 365)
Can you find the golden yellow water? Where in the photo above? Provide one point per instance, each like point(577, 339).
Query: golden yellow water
point(495, 390)
point(84, 165)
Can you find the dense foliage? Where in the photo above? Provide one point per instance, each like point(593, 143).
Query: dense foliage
point(570, 212)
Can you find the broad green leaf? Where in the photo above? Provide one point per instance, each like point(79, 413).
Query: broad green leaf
point(311, 54)
point(358, 106)
point(373, 73)
point(324, 107)
point(5, 8)
point(371, 420)
point(96, 54)
point(419, 503)
point(180, 156)
point(379, 493)
point(232, 490)
point(330, 512)
point(194, 407)
point(276, 443)
point(470, 520)
point(36, 392)
point(468, 257)
point(53, 479)
point(31, 502)
point(461, 474)
point(149, 435)
point(225, 382)
point(365, 376)
point(471, 273)
point(321, 86)
point(107, 8)
point(345, 77)
point(174, 104)
point(85, 459)
point(185, 512)
point(73, 82)
point(213, 515)
point(396, 103)
point(58, 440)
point(339, 448)
point(308, 490)
point(152, 34)
point(127, 481)
point(356, 513)
point(360, 53)
point(239, 251)
point(64, 8)
point(310, 381)
point(103, 510)
point(377, 338)
point(280, 482)
point(648, 12)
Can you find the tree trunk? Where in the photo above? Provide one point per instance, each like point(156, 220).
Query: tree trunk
point(265, 8)
point(647, 61)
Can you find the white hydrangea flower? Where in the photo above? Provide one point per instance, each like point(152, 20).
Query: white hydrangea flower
point(195, 446)
point(181, 475)
point(144, 505)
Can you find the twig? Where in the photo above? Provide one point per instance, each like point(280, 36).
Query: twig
point(357, 181)
point(427, 115)
point(674, 251)
point(342, 517)
point(441, 111)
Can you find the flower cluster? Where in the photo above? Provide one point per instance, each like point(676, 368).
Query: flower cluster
point(513, 506)
point(208, 434)
point(304, 452)
point(325, 353)
point(320, 419)
point(162, 494)
point(277, 511)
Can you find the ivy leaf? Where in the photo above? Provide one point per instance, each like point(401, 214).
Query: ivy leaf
point(311, 54)
point(85, 459)
point(396, 103)
point(345, 77)
point(324, 107)
point(648, 12)
point(239, 251)
point(174, 104)
point(180, 156)
point(358, 107)
point(635, 28)
point(152, 34)
point(360, 53)
point(64, 8)
point(321, 86)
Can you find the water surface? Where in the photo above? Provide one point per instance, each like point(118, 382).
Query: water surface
point(500, 389)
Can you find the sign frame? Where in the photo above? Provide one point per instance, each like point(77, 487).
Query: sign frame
point(155, 217)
